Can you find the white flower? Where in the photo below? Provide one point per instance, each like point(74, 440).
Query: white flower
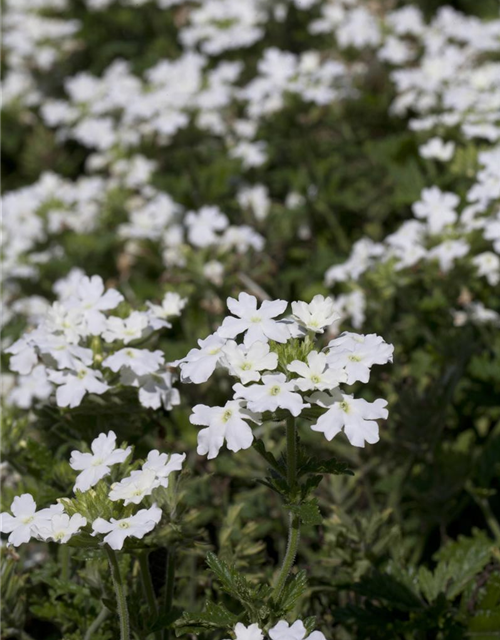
point(141, 361)
point(296, 631)
point(25, 518)
point(155, 389)
point(60, 528)
point(257, 323)
point(227, 423)
point(96, 465)
point(199, 364)
point(69, 322)
point(136, 526)
point(447, 252)
point(357, 354)
point(488, 265)
point(31, 387)
point(24, 356)
point(316, 374)
point(247, 364)
point(356, 416)
point(437, 207)
point(252, 632)
point(438, 149)
point(202, 226)
point(66, 354)
point(257, 199)
point(274, 393)
point(317, 315)
point(75, 384)
point(126, 329)
point(154, 473)
point(134, 487)
point(171, 306)
point(91, 300)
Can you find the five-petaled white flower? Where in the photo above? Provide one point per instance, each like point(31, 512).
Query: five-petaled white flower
point(199, 364)
point(171, 306)
point(75, 384)
point(247, 364)
point(22, 524)
point(61, 527)
point(252, 632)
point(354, 415)
point(136, 526)
point(126, 329)
point(258, 324)
point(296, 631)
point(358, 353)
point(96, 465)
point(316, 316)
point(90, 299)
point(274, 393)
point(223, 423)
point(141, 361)
point(316, 374)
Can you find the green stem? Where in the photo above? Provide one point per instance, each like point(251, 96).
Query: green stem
point(103, 614)
point(168, 597)
point(121, 599)
point(291, 452)
point(294, 526)
point(64, 556)
point(291, 552)
point(147, 585)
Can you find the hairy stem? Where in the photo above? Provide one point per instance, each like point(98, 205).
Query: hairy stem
point(294, 526)
point(147, 585)
point(121, 599)
point(64, 556)
point(291, 552)
point(103, 614)
point(168, 596)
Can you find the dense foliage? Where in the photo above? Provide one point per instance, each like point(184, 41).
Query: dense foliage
point(219, 215)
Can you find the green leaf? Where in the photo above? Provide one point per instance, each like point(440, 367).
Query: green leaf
point(308, 512)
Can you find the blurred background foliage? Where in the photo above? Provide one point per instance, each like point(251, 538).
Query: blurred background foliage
point(409, 546)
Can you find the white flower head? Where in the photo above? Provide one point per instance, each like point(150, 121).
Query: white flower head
point(227, 423)
point(258, 324)
point(140, 361)
point(316, 316)
point(126, 329)
point(247, 363)
point(22, 524)
point(136, 526)
point(60, 527)
point(75, 384)
point(199, 364)
point(353, 415)
point(274, 393)
point(252, 632)
point(357, 354)
point(316, 374)
point(94, 466)
point(295, 631)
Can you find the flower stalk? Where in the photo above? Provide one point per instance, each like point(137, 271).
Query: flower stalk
point(148, 589)
point(121, 599)
point(294, 519)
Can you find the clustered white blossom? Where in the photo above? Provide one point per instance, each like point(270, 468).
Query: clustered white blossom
point(77, 346)
point(266, 385)
point(445, 72)
point(53, 523)
point(281, 631)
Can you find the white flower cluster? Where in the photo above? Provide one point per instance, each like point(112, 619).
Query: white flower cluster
point(448, 77)
point(281, 631)
point(78, 347)
point(54, 524)
point(267, 385)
